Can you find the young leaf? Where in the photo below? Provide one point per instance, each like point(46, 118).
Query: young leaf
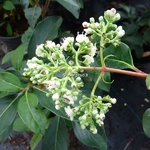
point(17, 56)
point(146, 122)
point(49, 104)
point(8, 111)
point(35, 140)
point(56, 136)
point(148, 81)
point(9, 82)
point(47, 29)
point(121, 58)
point(32, 14)
point(72, 5)
point(94, 140)
point(32, 116)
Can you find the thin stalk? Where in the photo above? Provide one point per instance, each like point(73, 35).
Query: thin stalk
point(137, 72)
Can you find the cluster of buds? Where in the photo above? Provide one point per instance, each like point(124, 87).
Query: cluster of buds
point(105, 28)
point(60, 75)
point(91, 112)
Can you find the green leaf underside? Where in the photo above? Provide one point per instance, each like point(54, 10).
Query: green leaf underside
point(32, 116)
point(86, 137)
point(146, 122)
point(121, 58)
point(47, 29)
point(56, 136)
point(32, 15)
point(8, 111)
point(9, 82)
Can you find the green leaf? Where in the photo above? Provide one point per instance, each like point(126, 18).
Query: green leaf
point(146, 122)
point(56, 136)
point(8, 5)
point(3, 94)
point(35, 140)
point(121, 58)
point(47, 29)
point(49, 104)
point(9, 29)
point(146, 35)
point(24, 3)
point(32, 14)
point(17, 56)
point(32, 116)
point(72, 6)
point(7, 57)
point(8, 111)
point(19, 126)
point(86, 137)
point(148, 81)
point(9, 82)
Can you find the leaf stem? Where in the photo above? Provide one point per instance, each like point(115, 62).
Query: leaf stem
point(137, 72)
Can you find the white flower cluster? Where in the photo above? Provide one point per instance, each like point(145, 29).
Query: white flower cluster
point(105, 27)
point(98, 110)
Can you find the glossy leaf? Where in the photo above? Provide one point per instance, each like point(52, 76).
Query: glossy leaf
point(17, 56)
point(47, 29)
point(86, 137)
point(19, 126)
point(72, 6)
point(9, 82)
point(148, 81)
point(56, 136)
point(35, 140)
point(8, 111)
point(121, 58)
point(146, 122)
point(32, 14)
point(48, 103)
point(32, 116)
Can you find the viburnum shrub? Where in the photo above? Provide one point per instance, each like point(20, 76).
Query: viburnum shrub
point(66, 79)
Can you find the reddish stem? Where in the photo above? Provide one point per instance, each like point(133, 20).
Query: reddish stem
point(137, 73)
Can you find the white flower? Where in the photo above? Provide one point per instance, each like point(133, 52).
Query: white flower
point(88, 31)
point(82, 38)
point(39, 50)
point(120, 31)
point(50, 44)
point(93, 50)
point(31, 65)
point(69, 98)
point(93, 130)
point(113, 100)
point(85, 24)
point(102, 116)
point(111, 12)
point(66, 42)
point(89, 59)
point(57, 104)
point(69, 112)
point(55, 96)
